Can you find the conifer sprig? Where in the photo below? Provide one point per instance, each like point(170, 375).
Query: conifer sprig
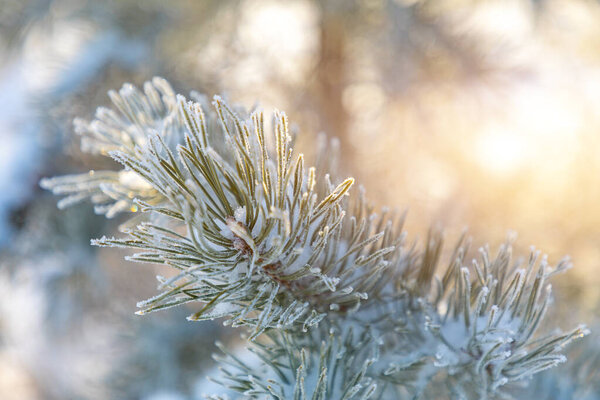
point(258, 238)
point(252, 236)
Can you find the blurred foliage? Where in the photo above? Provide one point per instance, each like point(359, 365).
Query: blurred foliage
point(478, 113)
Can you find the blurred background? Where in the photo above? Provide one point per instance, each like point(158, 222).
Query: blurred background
point(469, 113)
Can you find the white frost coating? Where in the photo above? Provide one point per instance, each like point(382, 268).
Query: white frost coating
point(302, 255)
point(241, 269)
point(347, 290)
point(500, 382)
point(457, 335)
point(445, 357)
point(225, 230)
point(220, 310)
point(240, 214)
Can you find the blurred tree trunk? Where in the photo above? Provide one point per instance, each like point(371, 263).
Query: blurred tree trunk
point(330, 79)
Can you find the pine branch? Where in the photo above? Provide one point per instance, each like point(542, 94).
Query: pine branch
point(260, 240)
point(471, 342)
point(323, 364)
point(245, 224)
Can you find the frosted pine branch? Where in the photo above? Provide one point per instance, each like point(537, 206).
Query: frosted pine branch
point(260, 239)
point(139, 117)
point(320, 365)
point(245, 224)
point(472, 342)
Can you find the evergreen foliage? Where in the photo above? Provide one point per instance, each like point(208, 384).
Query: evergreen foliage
point(337, 303)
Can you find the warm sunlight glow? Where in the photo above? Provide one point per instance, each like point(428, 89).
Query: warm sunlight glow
point(501, 151)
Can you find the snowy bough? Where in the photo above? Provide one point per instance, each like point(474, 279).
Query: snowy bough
point(334, 302)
